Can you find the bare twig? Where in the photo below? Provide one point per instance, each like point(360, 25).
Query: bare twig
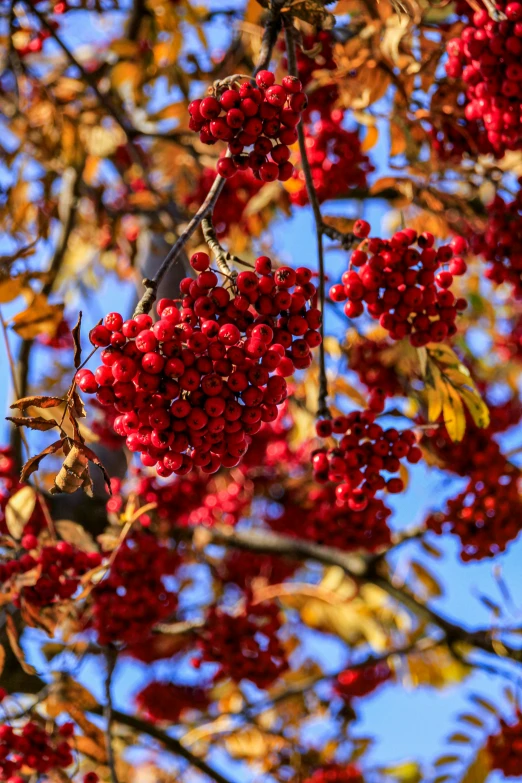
point(322, 405)
point(108, 712)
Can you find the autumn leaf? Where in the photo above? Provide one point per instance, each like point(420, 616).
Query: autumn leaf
point(19, 510)
point(39, 318)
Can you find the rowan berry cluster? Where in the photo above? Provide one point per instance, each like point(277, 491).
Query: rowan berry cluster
point(164, 701)
point(505, 748)
point(133, 597)
point(355, 683)
point(245, 645)
point(501, 242)
point(318, 516)
point(194, 387)
point(33, 748)
point(381, 379)
point(263, 117)
point(242, 568)
point(336, 161)
point(230, 207)
point(486, 515)
point(401, 286)
point(509, 345)
point(486, 56)
point(57, 578)
point(102, 425)
point(336, 773)
point(198, 499)
point(364, 453)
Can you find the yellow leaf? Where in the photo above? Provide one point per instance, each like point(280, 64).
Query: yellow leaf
point(434, 404)
point(479, 769)
point(12, 288)
point(19, 510)
point(432, 587)
point(251, 743)
point(39, 318)
point(126, 73)
point(453, 412)
point(476, 406)
point(397, 140)
point(371, 138)
point(436, 668)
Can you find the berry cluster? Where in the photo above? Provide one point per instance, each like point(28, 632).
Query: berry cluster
point(487, 57)
point(133, 597)
point(57, 578)
point(451, 140)
point(381, 379)
point(486, 515)
point(318, 516)
point(363, 454)
point(199, 499)
point(164, 701)
point(242, 568)
point(336, 161)
point(263, 117)
point(501, 243)
point(245, 645)
point(32, 748)
point(230, 207)
point(505, 748)
point(336, 773)
point(509, 345)
point(400, 286)
point(194, 387)
point(355, 683)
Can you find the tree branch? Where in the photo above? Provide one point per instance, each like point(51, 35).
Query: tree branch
point(170, 743)
point(358, 568)
point(108, 712)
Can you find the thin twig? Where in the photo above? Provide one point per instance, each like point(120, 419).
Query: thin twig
point(108, 712)
point(322, 405)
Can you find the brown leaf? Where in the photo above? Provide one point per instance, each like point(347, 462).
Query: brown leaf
point(39, 318)
point(19, 510)
point(89, 453)
point(2, 658)
point(71, 475)
point(40, 401)
point(12, 635)
point(76, 339)
point(76, 405)
point(33, 422)
point(33, 463)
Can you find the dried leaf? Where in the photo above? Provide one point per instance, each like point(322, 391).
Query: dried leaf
point(33, 463)
point(76, 330)
point(89, 453)
point(73, 473)
point(479, 769)
point(40, 401)
point(39, 318)
point(2, 658)
point(12, 635)
point(33, 422)
point(19, 510)
point(432, 587)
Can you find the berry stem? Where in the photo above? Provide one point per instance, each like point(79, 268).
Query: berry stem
point(222, 256)
point(322, 405)
point(272, 27)
point(151, 286)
